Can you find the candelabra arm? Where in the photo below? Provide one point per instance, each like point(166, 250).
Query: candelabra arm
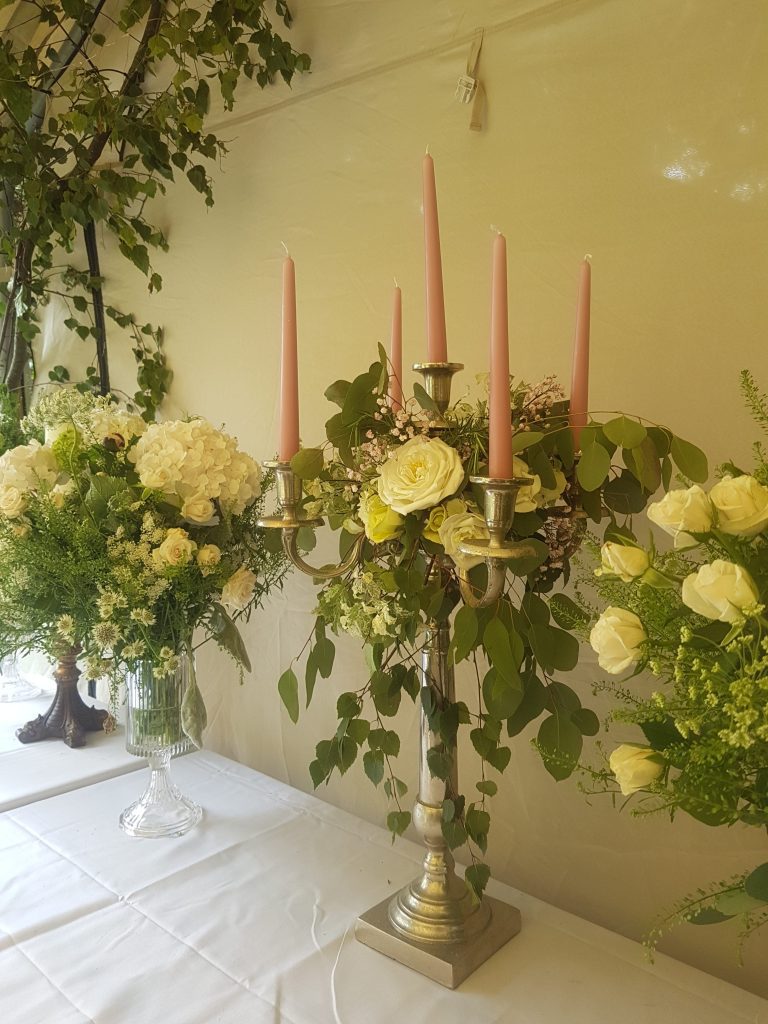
point(323, 572)
point(497, 572)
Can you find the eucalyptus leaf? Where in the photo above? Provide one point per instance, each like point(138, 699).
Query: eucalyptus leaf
point(523, 439)
point(194, 716)
point(625, 432)
point(690, 460)
point(560, 743)
point(593, 466)
point(288, 688)
point(307, 463)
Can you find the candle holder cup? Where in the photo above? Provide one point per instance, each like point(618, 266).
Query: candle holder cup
point(437, 384)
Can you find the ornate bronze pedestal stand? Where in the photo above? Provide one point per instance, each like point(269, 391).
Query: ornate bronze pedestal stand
point(69, 717)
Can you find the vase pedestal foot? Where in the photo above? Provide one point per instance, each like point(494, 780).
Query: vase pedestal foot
point(68, 718)
point(448, 963)
point(162, 811)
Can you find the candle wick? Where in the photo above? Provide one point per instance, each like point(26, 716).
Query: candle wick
point(496, 231)
point(427, 150)
point(396, 284)
point(588, 257)
point(287, 253)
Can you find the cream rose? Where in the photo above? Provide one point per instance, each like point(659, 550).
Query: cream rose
point(681, 513)
point(617, 638)
point(238, 590)
point(61, 492)
point(13, 502)
point(177, 549)
point(207, 558)
point(622, 560)
point(635, 767)
point(720, 590)
point(527, 497)
point(455, 530)
point(742, 505)
point(199, 509)
point(438, 515)
point(420, 474)
point(380, 521)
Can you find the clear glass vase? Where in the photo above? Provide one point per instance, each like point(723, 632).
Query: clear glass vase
point(153, 730)
point(13, 686)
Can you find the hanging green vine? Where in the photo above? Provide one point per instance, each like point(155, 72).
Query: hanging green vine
point(85, 146)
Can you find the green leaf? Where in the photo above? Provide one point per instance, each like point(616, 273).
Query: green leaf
point(498, 647)
point(623, 494)
point(531, 706)
point(624, 432)
point(643, 463)
point(373, 763)
point(554, 649)
point(756, 883)
point(194, 717)
point(465, 629)
point(423, 398)
point(586, 721)
point(502, 696)
point(310, 675)
point(524, 439)
point(386, 695)
point(385, 740)
point(560, 743)
point(307, 463)
point(566, 612)
point(593, 466)
point(487, 787)
point(324, 654)
point(499, 758)
point(476, 876)
point(347, 706)
point(337, 392)
point(527, 555)
point(454, 833)
point(227, 635)
point(709, 916)
point(439, 763)
point(358, 729)
point(398, 822)
point(690, 460)
point(288, 688)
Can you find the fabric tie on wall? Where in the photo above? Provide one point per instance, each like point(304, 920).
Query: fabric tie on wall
point(469, 89)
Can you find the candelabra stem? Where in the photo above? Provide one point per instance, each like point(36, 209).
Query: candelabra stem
point(434, 925)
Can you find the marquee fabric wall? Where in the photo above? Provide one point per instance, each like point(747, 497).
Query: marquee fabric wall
point(633, 131)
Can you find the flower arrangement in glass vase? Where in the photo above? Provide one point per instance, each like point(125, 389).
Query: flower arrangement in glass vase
point(694, 617)
point(119, 539)
point(421, 550)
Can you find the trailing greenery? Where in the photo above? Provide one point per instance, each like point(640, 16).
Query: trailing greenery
point(391, 482)
point(695, 618)
point(85, 145)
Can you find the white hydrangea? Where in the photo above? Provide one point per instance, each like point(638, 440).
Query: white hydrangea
point(194, 460)
point(24, 469)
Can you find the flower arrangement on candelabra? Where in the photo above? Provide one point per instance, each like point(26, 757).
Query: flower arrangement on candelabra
point(694, 617)
point(117, 540)
point(427, 539)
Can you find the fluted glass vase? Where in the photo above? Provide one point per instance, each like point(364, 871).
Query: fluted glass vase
point(13, 686)
point(153, 730)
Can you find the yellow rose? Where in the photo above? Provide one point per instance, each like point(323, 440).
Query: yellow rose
point(207, 558)
point(438, 515)
point(238, 590)
point(635, 767)
point(13, 502)
point(617, 638)
point(420, 474)
point(455, 530)
point(380, 521)
point(623, 560)
point(176, 549)
point(199, 509)
point(742, 505)
point(681, 513)
point(526, 497)
point(720, 590)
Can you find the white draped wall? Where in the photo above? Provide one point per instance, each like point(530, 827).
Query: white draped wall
point(633, 131)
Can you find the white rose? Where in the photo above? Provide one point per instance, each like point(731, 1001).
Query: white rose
point(199, 509)
point(13, 502)
point(720, 590)
point(527, 497)
point(742, 505)
point(176, 549)
point(635, 767)
point(622, 560)
point(61, 492)
point(381, 523)
point(455, 530)
point(207, 558)
point(681, 513)
point(617, 638)
point(238, 590)
point(419, 475)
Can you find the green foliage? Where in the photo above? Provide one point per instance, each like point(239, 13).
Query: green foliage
point(85, 143)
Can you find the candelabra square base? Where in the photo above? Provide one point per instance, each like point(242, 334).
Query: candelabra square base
point(446, 963)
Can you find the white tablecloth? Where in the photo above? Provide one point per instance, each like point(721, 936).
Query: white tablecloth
point(34, 771)
point(248, 920)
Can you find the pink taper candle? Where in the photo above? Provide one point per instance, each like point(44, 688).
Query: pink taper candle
point(580, 371)
point(437, 348)
point(289, 368)
point(396, 351)
point(500, 463)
